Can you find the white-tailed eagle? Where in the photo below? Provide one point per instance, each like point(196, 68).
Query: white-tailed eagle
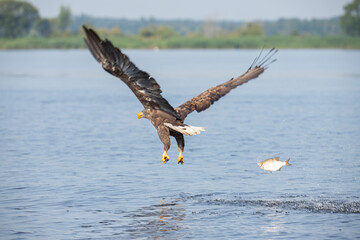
point(167, 120)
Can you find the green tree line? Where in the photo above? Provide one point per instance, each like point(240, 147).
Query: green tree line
point(20, 19)
point(350, 21)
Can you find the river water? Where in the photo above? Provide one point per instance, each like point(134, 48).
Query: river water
point(76, 163)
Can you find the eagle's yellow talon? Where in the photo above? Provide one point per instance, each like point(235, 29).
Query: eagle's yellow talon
point(165, 157)
point(180, 158)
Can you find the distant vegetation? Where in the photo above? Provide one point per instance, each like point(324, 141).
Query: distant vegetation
point(318, 27)
point(22, 27)
point(76, 41)
point(350, 21)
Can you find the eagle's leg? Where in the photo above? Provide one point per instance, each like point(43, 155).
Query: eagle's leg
point(180, 158)
point(165, 157)
point(181, 144)
point(164, 135)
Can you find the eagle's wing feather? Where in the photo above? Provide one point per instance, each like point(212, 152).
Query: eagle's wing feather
point(146, 89)
point(204, 100)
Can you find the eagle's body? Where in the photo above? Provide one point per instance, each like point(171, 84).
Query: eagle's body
point(167, 120)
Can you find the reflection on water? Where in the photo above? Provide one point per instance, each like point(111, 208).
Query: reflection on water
point(163, 219)
point(168, 218)
point(274, 223)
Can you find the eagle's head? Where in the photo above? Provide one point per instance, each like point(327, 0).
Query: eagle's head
point(142, 114)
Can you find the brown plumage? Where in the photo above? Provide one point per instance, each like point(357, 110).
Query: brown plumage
point(167, 120)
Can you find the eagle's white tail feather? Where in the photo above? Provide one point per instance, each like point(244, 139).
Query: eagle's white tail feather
point(186, 129)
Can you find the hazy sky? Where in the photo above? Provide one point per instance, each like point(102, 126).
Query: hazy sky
point(197, 9)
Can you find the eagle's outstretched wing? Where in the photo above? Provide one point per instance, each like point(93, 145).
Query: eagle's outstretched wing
point(146, 89)
point(204, 100)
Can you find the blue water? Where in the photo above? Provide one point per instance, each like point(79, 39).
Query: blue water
point(76, 163)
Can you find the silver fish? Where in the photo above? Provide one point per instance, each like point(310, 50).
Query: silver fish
point(273, 164)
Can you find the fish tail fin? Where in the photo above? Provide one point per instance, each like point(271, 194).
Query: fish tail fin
point(287, 162)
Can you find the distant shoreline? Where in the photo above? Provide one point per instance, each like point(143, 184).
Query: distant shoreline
point(247, 42)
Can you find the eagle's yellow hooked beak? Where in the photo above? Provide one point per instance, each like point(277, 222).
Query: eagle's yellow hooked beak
point(140, 115)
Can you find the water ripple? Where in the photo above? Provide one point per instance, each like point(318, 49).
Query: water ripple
point(292, 202)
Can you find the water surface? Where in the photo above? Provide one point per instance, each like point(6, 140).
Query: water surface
point(77, 164)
